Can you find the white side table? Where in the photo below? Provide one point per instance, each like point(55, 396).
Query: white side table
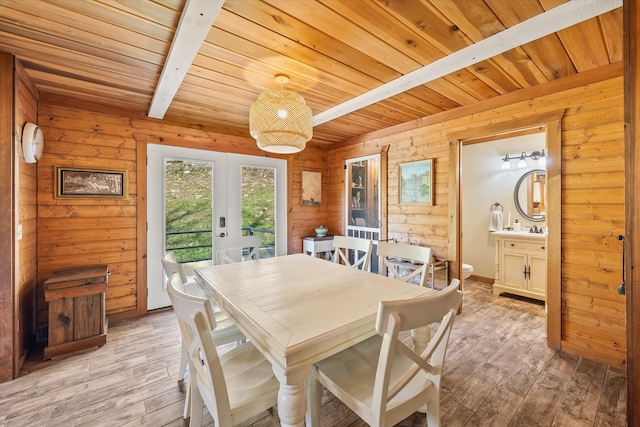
point(315, 245)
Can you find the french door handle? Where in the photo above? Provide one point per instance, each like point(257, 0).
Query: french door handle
point(221, 235)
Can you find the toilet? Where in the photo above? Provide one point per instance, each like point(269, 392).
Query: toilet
point(467, 270)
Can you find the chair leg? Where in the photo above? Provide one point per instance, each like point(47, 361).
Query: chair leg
point(314, 400)
point(186, 413)
point(433, 413)
point(184, 357)
point(197, 404)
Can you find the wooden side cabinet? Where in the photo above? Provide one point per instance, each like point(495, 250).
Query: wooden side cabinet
point(77, 318)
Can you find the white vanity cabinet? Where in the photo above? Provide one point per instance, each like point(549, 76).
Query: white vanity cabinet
point(521, 264)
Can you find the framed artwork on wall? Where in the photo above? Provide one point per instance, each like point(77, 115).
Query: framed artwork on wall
point(416, 183)
point(73, 182)
point(311, 188)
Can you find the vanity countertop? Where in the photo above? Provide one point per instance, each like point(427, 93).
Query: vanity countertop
point(507, 233)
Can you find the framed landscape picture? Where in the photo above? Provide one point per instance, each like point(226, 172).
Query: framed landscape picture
point(73, 182)
point(311, 188)
point(416, 183)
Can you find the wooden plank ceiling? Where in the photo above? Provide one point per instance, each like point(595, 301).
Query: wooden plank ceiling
point(111, 52)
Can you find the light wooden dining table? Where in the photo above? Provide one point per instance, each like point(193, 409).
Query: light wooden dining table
point(298, 310)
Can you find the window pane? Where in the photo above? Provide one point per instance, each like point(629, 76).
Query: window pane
point(188, 187)
point(258, 206)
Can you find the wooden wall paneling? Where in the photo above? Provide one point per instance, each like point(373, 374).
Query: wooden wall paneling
point(7, 159)
point(632, 209)
point(26, 110)
point(86, 231)
point(304, 219)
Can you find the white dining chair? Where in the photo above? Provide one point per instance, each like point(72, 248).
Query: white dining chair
point(348, 248)
point(226, 331)
point(383, 380)
point(171, 266)
point(399, 258)
point(235, 385)
point(230, 249)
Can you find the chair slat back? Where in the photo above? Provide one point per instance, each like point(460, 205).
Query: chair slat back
point(171, 266)
point(345, 246)
point(397, 316)
point(196, 320)
point(229, 249)
point(393, 255)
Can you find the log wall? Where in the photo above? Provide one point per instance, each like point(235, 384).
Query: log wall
point(26, 110)
point(593, 314)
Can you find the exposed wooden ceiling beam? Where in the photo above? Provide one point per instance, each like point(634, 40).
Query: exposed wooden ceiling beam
point(553, 20)
point(195, 22)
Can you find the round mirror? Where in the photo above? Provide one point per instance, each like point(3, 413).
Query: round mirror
point(529, 195)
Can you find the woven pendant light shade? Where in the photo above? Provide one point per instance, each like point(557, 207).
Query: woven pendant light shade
point(280, 121)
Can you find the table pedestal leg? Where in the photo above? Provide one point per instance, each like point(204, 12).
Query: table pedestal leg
point(291, 405)
point(421, 337)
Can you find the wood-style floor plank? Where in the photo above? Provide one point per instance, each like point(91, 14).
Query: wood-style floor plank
point(498, 372)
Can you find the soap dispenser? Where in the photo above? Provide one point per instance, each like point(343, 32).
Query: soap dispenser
point(516, 225)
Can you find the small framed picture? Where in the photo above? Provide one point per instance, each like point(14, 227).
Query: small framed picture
point(416, 183)
point(73, 182)
point(311, 188)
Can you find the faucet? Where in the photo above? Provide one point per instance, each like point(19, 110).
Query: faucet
point(533, 229)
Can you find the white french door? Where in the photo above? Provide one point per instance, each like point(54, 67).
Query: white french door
point(219, 190)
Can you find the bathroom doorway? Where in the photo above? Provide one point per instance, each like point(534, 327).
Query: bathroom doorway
point(550, 125)
point(487, 192)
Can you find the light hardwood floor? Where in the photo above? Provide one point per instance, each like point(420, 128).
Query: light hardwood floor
point(498, 372)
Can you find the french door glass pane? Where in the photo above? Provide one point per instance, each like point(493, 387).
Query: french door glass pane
point(258, 206)
point(363, 203)
point(188, 212)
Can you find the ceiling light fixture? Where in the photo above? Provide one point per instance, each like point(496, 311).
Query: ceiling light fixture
point(540, 156)
point(280, 120)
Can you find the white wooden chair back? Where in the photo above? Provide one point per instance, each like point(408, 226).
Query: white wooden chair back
point(348, 248)
point(393, 255)
point(383, 380)
point(397, 316)
point(171, 266)
point(229, 249)
point(255, 388)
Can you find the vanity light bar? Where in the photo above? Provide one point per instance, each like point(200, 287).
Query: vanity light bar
point(540, 156)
